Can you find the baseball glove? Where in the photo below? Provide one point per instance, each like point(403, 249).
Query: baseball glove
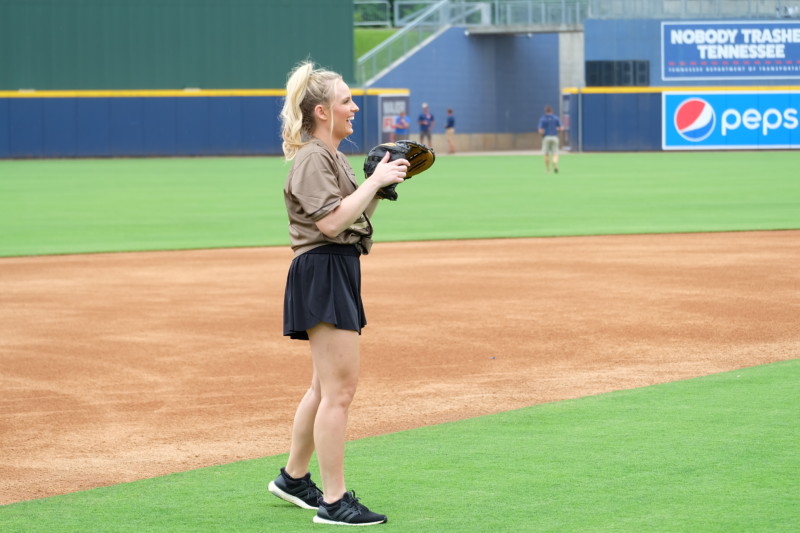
point(419, 156)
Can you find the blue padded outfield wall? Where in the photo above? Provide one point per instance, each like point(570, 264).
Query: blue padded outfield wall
point(111, 124)
point(615, 119)
point(157, 123)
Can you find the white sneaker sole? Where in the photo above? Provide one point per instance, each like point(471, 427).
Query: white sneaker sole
point(276, 490)
point(318, 520)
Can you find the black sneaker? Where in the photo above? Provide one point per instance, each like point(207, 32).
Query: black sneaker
point(301, 492)
point(347, 512)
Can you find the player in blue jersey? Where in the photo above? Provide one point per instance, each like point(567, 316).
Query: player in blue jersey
point(549, 126)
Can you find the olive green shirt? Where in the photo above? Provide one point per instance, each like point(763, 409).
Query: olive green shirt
point(316, 185)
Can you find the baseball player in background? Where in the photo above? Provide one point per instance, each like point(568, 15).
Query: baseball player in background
point(549, 126)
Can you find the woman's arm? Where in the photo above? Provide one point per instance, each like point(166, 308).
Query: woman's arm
point(373, 205)
point(363, 199)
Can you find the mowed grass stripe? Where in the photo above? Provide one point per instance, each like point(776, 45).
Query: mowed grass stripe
point(106, 205)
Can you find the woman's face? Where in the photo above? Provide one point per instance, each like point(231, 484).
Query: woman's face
point(344, 110)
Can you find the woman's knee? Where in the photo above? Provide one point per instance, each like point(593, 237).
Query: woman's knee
point(314, 394)
point(340, 392)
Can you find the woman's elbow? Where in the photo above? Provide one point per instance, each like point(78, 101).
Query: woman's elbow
point(329, 230)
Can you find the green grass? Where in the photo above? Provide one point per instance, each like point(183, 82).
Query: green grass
point(66, 206)
point(101, 205)
point(365, 39)
point(718, 453)
point(597, 194)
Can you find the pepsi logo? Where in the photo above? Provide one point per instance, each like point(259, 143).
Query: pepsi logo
point(695, 119)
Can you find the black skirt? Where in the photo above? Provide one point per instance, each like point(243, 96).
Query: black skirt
point(324, 285)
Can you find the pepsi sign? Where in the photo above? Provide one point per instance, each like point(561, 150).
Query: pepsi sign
point(722, 120)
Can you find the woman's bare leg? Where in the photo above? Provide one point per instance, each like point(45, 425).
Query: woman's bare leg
point(302, 447)
point(336, 355)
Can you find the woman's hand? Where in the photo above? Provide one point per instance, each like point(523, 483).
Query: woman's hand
point(388, 172)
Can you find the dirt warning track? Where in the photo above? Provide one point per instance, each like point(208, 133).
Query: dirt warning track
point(117, 367)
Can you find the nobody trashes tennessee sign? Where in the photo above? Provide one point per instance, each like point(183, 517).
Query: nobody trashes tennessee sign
point(730, 50)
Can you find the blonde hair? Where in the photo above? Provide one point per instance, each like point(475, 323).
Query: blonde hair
point(306, 88)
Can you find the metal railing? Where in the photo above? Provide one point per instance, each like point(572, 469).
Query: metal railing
point(502, 12)
point(571, 12)
point(421, 20)
point(700, 9)
point(424, 26)
point(372, 13)
point(542, 12)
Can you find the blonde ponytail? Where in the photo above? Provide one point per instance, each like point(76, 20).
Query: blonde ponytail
point(306, 88)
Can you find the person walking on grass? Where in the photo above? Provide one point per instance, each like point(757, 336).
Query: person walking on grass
point(549, 126)
point(329, 229)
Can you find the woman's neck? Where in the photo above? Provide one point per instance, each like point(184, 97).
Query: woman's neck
point(327, 139)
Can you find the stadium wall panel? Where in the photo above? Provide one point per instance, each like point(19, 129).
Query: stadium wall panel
point(623, 121)
point(149, 123)
point(169, 44)
point(5, 129)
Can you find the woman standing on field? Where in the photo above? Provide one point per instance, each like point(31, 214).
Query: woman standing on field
point(329, 228)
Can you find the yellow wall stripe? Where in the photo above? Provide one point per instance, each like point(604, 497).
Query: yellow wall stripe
point(690, 88)
point(175, 93)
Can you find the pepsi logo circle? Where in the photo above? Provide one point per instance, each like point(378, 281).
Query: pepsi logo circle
point(694, 119)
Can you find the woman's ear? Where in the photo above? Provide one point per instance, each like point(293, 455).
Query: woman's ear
point(320, 113)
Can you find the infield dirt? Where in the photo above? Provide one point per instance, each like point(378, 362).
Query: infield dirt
point(117, 367)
